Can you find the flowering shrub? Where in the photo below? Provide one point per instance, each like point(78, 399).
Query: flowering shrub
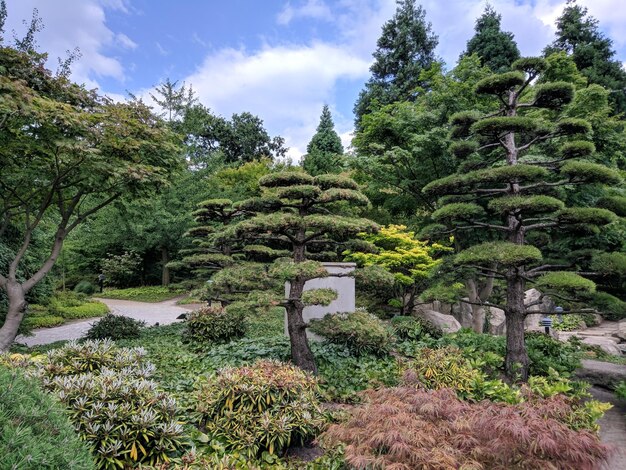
point(264, 407)
point(112, 403)
point(408, 428)
point(214, 325)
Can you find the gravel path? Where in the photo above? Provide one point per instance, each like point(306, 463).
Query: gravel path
point(152, 313)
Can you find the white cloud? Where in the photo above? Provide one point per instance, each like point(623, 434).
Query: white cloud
point(284, 85)
point(125, 41)
point(316, 9)
point(161, 49)
point(74, 23)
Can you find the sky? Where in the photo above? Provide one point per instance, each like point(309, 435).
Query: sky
point(279, 59)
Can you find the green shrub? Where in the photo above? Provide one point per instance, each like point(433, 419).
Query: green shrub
point(412, 328)
point(115, 327)
point(547, 353)
point(610, 307)
point(85, 287)
point(86, 310)
point(264, 407)
point(214, 325)
point(568, 322)
point(43, 321)
point(114, 406)
point(360, 332)
point(142, 294)
point(35, 433)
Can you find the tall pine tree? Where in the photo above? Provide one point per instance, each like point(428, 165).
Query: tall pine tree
point(325, 150)
point(578, 34)
point(405, 48)
point(495, 48)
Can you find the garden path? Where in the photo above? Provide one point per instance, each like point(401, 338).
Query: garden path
point(151, 313)
point(613, 427)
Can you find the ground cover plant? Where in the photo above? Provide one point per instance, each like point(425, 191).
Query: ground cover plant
point(34, 430)
point(142, 294)
point(62, 307)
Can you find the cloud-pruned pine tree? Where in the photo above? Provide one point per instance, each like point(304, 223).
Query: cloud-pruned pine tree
point(299, 220)
point(495, 48)
point(324, 151)
point(521, 161)
point(405, 48)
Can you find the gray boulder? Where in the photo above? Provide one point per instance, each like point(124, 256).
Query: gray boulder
point(444, 323)
point(608, 345)
point(621, 330)
point(601, 373)
point(531, 322)
point(497, 321)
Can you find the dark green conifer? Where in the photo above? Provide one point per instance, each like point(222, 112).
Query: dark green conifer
point(324, 151)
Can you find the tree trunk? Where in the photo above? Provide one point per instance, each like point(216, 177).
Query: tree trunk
point(408, 301)
point(165, 271)
point(516, 363)
point(17, 307)
point(301, 353)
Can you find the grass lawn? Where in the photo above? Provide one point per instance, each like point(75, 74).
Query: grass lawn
point(142, 294)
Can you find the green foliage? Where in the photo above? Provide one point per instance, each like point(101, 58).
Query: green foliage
point(457, 211)
point(324, 151)
point(568, 322)
point(360, 332)
point(499, 83)
point(496, 126)
point(495, 48)
point(122, 270)
point(140, 424)
point(213, 325)
point(564, 282)
point(405, 48)
point(577, 149)
point(620, 390)
point(616, 204)
point(34, 430)
point(264, 407)
point(573, 126)
point(530, 65)
point(610, 307)
point(463, 148)
point(85, 287)
point(532, 204)
point(547, 353)
point(86, 310)
point(412, 328)
point(319, 296)
point(142, 294)
point(610, 263)
point(586, 215)
point(43, 321)
point(553, 95)
point(115, 327)
point(504, 253)
point(590, 172)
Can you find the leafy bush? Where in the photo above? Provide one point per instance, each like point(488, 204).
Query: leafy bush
point(70, 305)
point(405, 427)
point(122, 270)
point(43, 321)
point(115, 327)
point(34, 430)
point(121, 414)
point(264, 407)
point(547, 353)
point(412, 328)
point(214, 325)
point(610, 306)
point(85, 287)
point(568, 322)
point(142, 294)
point(360, 332)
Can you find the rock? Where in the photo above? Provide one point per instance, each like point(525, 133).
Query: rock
point(621, 330)
point(463, 313)
point(534, 311)
point(497, 321)
point(604, 374)
point(608, 346)
point(444, 323)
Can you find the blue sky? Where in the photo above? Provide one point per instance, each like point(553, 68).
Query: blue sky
point(279, 59)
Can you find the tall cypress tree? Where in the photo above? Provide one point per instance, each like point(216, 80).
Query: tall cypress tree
point(578, 34)
point(405, 48)
point(495, 48)
point(325, 149)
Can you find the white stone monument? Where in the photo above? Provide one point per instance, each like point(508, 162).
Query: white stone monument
point(345, 301)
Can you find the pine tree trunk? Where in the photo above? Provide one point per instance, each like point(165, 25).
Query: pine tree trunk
point(15, 313)
point(301, 353)
point(165, 271)
point(516, 363)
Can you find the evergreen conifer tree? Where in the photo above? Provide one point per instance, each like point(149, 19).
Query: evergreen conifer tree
point(324, 150)
point(578, 34)
point(405, 48)
point(298, 222)
point(495, 48)
point(507, 194)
